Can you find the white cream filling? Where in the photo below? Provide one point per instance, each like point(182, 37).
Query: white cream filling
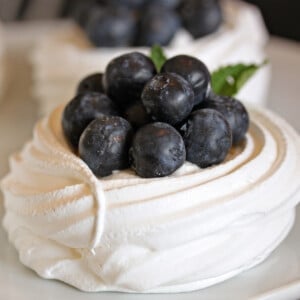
point(179, 233)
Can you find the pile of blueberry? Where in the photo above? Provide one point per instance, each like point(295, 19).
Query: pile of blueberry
point(117, 23)
point(133, 116)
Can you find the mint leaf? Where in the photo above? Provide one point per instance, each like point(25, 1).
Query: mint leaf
point(158, 57)
point(228, 80)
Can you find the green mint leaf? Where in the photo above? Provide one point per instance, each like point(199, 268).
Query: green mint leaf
point(228, 80)
point(158, 57)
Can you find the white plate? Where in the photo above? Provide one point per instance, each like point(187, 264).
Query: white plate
point(277, 278)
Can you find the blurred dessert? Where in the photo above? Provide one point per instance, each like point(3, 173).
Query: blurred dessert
point(61, 59)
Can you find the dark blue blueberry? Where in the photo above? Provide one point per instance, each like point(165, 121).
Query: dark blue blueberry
point(157, 150)
point(201, 17)
point(105, 143)
point(207, 138)
point(111, 27)
point(136, 114)
point(83, 109)
point(80, 11)
point(126, 76)
point(168, 98)
point(234, 112)
point(132, 4)
point(170, 4)
point(91, 83)
point(157, 26)
point(191, 69)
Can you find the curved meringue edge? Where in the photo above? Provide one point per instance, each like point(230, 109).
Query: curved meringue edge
point(175, 234)
point(62, 59)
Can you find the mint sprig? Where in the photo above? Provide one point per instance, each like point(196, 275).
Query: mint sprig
point(228, 80)
point(158, 57)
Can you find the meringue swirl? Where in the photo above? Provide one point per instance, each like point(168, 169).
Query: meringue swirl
point(179, 233)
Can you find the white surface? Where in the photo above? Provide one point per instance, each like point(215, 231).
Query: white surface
point(276, 278)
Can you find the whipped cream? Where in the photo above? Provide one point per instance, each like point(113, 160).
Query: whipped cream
point(61, 60)
point(124, 233)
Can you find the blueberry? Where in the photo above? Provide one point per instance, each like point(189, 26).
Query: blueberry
point(157, 26)
point(126, 76)
point(136, 115)
point(157, 150)
point(168, 98)
point(191, 69)
point(132, 4)
point(207, 138)
point(105, 143)
point(91, 83)
point(170, 4)
point(201, 17)
point(83, 109)
point(111, 27)
point(81, 10)
point(234, 112)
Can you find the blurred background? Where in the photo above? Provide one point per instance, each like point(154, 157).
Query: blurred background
point(281, 16)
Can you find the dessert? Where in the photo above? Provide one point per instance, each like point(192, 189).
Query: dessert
point(145, 23)
point(181, 227)
point(63, 58)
